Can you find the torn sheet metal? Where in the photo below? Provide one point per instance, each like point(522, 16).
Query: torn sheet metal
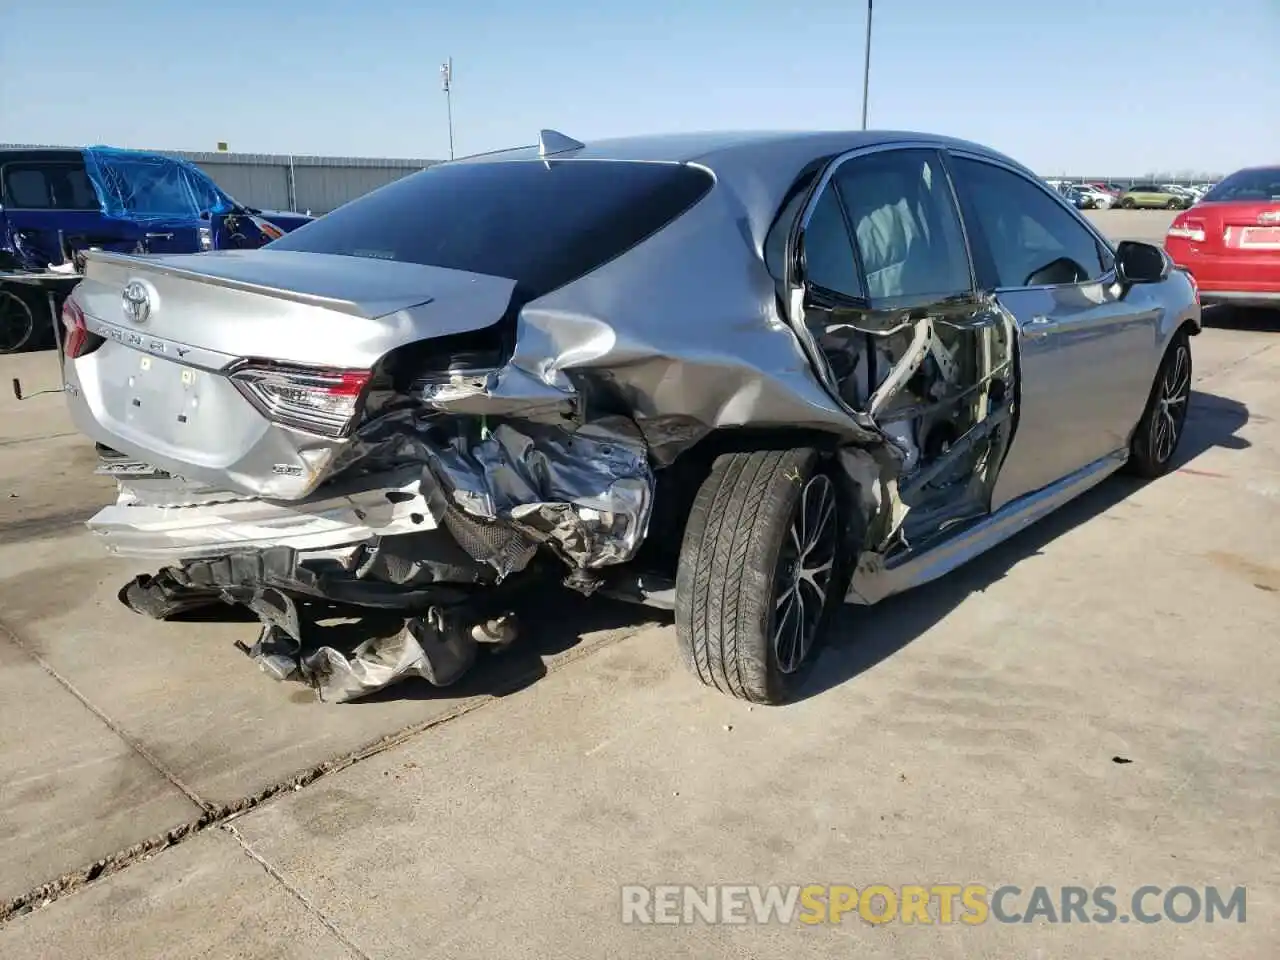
point(439, 647)
point(586, 491)
point(589, 493)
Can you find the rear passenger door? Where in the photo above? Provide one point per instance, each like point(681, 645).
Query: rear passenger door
point(43, 199)
point(1085, 341)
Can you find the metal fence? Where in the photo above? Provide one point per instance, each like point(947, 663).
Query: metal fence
point(1182, 180)
point(315, 184)
point(319, 184)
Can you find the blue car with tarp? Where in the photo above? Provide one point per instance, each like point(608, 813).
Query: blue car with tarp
point(57, 203)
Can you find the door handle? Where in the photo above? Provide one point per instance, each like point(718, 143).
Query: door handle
point(159, 236)
point(1038, 326)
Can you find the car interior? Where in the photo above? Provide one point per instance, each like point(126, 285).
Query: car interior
point(889, 303)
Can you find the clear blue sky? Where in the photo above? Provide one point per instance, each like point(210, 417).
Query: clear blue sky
point(1087, 86)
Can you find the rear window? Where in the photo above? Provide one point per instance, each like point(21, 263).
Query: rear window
point(48, 186)
point(541, 224)
point(1261, 184)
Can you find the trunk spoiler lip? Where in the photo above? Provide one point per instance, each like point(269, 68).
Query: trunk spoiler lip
point(279, 293)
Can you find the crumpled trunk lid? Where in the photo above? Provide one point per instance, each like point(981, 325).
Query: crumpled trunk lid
point(304, 308)
point(160, 387)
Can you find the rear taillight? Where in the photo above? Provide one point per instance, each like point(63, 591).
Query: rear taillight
point(269, 229)
point(77, 339)
point(1187, 228)
point(317, 400)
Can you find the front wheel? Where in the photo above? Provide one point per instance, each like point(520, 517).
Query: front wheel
point(760, 572)
point(1156, 439)
point(1127, 203)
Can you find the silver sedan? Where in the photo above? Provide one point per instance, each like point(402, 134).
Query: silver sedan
point(743, 376)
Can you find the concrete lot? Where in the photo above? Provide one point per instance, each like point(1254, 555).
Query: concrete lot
point(1148, 225)
point(159, 797)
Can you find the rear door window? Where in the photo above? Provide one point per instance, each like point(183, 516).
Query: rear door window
point(828, 248)
point(539, 223)
point(905, 224)
point(56, 185)
point(1033, 241)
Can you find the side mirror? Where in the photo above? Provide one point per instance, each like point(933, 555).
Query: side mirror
point(1138, 262)
point(205, 215)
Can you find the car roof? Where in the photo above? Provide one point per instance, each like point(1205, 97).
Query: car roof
point(40, 155)
point(759, 166)
point(711, 145)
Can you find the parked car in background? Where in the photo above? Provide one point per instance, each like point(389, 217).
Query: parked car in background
point(1077, 197)
point(1230, 241)
point(1151, 196)
point(57, 203)
point(1071, 193)
point(1178, 190)
point(1098, 199)
point(748, 376)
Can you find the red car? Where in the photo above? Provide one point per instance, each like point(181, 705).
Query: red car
point(1230, 241)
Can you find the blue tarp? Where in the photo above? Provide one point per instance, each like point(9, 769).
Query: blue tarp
point(148, 188)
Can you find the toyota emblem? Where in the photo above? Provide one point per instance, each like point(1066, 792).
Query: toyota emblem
point(136, 300)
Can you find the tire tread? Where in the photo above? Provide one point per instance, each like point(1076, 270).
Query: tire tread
point(725, 577)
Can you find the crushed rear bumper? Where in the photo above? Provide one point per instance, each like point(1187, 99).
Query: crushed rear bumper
point(166, 519)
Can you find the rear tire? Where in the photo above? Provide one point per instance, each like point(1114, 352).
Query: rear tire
point(1160, 429)
point(17, 321)
point(760, 573)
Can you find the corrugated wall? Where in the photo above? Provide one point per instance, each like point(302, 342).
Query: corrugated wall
point(318, 184)
point(256, 185)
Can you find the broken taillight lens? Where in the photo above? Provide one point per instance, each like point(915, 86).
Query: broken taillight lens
point(317, 400)
point(77, 339)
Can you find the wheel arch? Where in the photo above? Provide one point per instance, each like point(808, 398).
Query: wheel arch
point(677, 484)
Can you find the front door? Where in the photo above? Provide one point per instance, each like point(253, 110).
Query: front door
point(1085, 342)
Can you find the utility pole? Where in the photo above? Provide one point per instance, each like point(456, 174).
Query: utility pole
point(446, 80)
point(866, 68)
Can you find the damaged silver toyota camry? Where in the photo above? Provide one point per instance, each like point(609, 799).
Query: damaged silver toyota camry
point(741, 376)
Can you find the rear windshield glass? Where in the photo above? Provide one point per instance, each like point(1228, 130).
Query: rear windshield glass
point(540, 224)
point(1261, 184)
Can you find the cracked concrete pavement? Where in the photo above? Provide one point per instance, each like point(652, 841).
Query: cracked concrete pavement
point(963, 732)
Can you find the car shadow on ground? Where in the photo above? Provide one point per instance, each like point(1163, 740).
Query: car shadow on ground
point(1258, 319)
point(862, 637)
point(552, 622)
point(551, 625)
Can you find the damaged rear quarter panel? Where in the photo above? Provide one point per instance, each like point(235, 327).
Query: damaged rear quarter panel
point(645, 340)
point(684, 330)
